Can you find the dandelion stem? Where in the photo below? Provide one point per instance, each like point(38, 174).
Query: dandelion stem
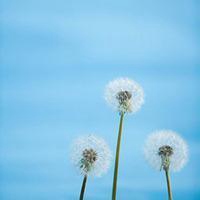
point(117, 158)
point(168, 184)
point(83, 187)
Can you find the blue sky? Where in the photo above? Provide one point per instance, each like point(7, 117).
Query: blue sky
point(56, 58)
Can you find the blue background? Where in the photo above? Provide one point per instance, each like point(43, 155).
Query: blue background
point(56, 58)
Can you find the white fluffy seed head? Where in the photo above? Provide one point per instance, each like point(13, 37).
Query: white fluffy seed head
point(91, 155)
point(166, 138)
point(124, 95)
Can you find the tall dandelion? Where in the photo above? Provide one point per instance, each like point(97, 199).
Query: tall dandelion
point(166, 150)
point(91, 156)
point(124, 96)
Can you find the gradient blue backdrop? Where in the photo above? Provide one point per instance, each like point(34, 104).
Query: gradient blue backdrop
point(57, 56)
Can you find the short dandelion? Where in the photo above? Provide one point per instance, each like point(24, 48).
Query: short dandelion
point(91, 156)
point(124, 96)
point(166, 150)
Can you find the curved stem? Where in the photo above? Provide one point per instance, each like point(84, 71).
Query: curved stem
point(83, 187)
point(117, 158)
point(168, 184)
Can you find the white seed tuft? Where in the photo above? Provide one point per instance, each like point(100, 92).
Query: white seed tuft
point(176, 149)
point(124, 95)
point(91, 155)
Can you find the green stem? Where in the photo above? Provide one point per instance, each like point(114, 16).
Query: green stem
point(83, 187)
point(168, 184)
point(117, 158)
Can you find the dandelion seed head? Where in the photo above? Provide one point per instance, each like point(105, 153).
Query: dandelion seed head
point(165, 149)
point(91, 155)
point(124, 95)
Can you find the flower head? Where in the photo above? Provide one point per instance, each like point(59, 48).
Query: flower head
point(91, 155)
point(124, 95)
point(165, 150)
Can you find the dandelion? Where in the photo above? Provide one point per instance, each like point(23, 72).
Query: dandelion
point(91, 156)
point(124, 96)
point(166, 150)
